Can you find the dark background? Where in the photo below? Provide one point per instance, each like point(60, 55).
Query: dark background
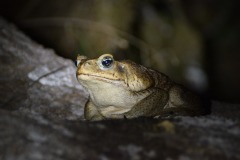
point(195, 42)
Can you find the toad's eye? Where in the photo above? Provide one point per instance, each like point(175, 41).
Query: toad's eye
point(76, 62)
point(106, 62)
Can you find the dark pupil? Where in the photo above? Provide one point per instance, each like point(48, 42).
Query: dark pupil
point(75, 62)
point(107, 61)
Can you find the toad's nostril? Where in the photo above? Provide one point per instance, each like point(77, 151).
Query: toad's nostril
point(87, 64)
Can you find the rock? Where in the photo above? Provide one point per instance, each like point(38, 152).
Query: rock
point(35, 79)
point(41, 116)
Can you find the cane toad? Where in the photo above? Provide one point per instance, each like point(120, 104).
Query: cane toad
point(124, 89)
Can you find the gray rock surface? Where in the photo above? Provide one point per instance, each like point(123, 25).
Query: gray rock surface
point(34, 80)
point(41, 116)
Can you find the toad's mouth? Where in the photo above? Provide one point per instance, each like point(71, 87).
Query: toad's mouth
point(88, 77)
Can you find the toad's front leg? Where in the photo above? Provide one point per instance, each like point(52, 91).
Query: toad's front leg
point(91, 112)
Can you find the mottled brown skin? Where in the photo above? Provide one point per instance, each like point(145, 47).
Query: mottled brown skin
point(130, 90)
